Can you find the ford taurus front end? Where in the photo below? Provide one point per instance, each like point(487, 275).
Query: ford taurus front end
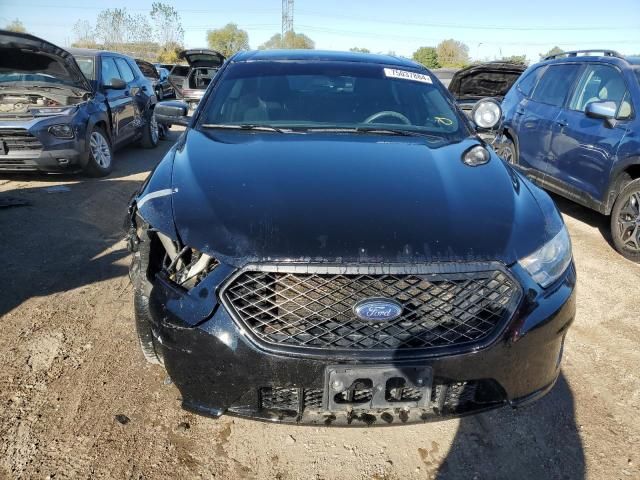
point(331, 243)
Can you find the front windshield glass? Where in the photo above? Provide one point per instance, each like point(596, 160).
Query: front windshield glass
point(87, 66)
point(325, 95)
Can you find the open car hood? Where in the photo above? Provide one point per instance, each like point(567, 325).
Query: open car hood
point(202, 58)
point(493, 79)
point(25, 54)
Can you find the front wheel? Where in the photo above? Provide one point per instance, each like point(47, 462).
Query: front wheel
point(100, 161)
point(150, 132)
point(506, 150)
point(625, 221)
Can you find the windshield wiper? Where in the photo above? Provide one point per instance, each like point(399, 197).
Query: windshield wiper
point(259, 128)
point(389, 131)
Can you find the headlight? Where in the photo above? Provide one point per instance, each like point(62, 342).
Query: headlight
point(549, 262)
point(61, 131)
point(49, 111)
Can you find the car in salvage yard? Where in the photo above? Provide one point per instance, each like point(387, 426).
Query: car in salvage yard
point(570, 124)
point(383, 268)
point(159, 78)
point(203, 66)
point(490, 79)
point(67, 110)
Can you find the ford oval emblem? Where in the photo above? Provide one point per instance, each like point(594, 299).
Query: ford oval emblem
point(377, 309)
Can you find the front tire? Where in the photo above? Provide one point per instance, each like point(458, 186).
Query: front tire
point(625, 221)
point(143, 328)
point(150, 132)
point(100, 162)
point(506, 150)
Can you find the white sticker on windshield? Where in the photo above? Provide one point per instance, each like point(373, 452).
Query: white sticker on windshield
point(407, 75)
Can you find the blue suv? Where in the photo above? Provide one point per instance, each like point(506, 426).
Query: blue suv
point(570, 124)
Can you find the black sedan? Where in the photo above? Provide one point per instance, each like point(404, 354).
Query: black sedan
point(330, 242)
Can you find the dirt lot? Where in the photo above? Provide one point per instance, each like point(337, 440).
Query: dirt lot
point(70, 369)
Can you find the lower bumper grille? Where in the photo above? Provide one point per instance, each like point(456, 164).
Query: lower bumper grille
point(315, 310)
point(17, 140)
point(454, 398)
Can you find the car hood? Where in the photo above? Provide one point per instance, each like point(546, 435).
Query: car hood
point(328, 198)
point(24, 53)
point(485, 80)
point(202, 58)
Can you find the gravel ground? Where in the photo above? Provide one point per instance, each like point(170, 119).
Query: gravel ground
point(78, 401)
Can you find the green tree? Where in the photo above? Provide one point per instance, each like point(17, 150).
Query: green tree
point(167, 25)
point(554, 51)
point(520, 59)
point(291, 40)
point(16, 26)
point(170, 53)
point(359, 50)
point(228, 39)
point(452, 53)
point(427, 56)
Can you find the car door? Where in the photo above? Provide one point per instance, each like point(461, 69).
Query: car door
point(131, 116)
point(535, 116)
point(584, 148)
point(118, 100)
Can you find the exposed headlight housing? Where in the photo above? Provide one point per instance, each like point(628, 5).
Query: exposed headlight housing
point(486, 113)
point(50, 111)
point(61, 131)
point(187, 266)
point(549, 262)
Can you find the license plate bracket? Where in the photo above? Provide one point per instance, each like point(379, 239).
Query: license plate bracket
point(356, 387)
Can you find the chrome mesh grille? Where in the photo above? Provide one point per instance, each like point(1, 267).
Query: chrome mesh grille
point(315, 310)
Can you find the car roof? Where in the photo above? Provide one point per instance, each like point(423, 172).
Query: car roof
point(323, 56)
point(613, 58)
point(91, 52)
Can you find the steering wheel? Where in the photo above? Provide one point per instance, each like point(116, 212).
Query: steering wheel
point(388, 113)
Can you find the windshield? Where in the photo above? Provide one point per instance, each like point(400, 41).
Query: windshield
point(87, 66)
point(321, 95)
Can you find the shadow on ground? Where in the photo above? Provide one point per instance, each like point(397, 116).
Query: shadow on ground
point(68, 239)
point(540, 441)
point(585, 215)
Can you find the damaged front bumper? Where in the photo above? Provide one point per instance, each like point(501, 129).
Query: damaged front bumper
point(220, 369)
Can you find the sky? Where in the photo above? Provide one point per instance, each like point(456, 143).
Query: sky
point(491, 29)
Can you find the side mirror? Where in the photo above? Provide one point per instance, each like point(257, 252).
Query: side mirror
point(486, 114)
point(116, 84)
point(604, 110)
point(172, 112)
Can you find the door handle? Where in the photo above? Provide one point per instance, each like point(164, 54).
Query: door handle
point(562, 123)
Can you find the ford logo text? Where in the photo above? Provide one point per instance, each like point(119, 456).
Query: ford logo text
point(377, 309)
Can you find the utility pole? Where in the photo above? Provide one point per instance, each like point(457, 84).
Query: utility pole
point(287, 17)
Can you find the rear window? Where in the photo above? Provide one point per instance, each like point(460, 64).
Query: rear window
point(529, 81)
point(147, 70)
point(555, 84)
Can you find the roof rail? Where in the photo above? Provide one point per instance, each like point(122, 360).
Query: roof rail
point(574, 53)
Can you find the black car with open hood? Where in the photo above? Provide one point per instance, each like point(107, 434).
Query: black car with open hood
point(66, 110)
point(330, 242)
point(491, 79)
